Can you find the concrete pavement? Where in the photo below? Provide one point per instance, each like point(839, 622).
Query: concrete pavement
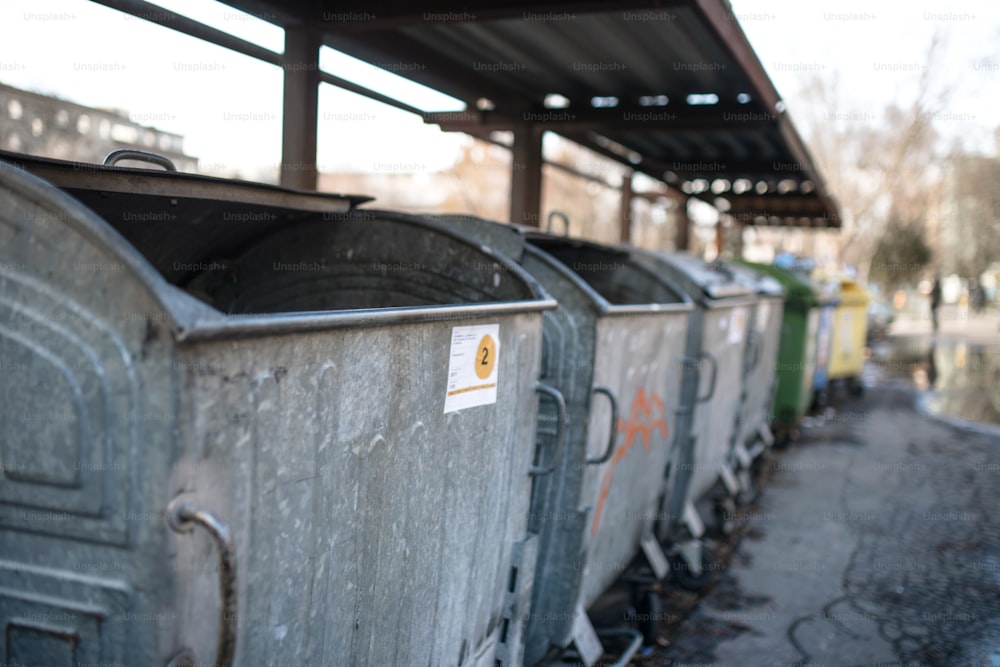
point(955, 324)
point(876, 541)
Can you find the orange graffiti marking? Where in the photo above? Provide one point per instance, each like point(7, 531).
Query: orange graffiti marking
point(640, 422)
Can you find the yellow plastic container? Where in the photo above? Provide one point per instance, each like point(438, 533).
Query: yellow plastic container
point(850, 330)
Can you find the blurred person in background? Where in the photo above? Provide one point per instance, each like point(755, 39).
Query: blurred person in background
point(935, 300)
point(977, 296)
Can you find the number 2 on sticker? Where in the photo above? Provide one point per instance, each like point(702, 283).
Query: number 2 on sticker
point(486, 357)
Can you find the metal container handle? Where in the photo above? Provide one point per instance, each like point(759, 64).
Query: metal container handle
point(754, 350)
point(612, 436)
point(715, 374)
point(560, 402)
point(562, 216)
point(142, 156)
point(183, 516)
point(690, 362)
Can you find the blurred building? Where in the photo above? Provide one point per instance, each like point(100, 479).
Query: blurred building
point(968, 226)
point(49, 127)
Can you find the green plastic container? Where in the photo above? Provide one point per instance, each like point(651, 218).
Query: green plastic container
point(796, 365)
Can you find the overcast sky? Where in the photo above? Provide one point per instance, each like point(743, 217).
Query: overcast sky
point(879, 50)
point(228, 106)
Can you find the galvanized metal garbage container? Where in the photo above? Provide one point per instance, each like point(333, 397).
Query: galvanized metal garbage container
point(617, 339)
point(711, 398)
point(225, 481)
point(760, 376)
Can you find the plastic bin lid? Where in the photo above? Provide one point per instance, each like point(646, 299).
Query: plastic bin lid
point(853, 294)
point(758, 281)
point(799, 290)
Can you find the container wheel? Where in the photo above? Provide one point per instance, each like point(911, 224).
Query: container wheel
point(821, 399)
point(784, 436)
point(725, 509)
point(751, 494)
point(649, 610)
point(690, 581)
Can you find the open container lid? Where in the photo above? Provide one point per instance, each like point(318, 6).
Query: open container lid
point(706, 283)
point(610, 278)
point(430, 257)
point(613, 273)
point(167, 214)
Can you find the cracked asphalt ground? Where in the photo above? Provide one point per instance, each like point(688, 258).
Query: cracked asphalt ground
point(876, 541)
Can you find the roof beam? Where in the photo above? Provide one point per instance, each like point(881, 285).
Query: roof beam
point(359, 16)
point(426, 68)
point(734, 169)
point(719, 19)
point(795, 205)
point(174, 21)
point(681, 118)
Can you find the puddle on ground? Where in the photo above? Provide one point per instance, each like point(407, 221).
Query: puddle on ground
point(963, 380)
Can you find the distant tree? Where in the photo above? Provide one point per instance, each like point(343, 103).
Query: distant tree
point(901, 255)
point(972, 220)
point(881, 166)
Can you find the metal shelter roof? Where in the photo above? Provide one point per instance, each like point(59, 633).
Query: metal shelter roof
point(671, 88)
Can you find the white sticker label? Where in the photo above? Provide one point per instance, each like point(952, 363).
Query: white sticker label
point(472, 367)
point(737, 326)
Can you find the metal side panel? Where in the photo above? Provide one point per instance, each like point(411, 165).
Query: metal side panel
point(373, 528)
point(639, 360)
point(675, 484)
point(759, 384)
point(559, 502)
point(714, 423)
point(86, 438)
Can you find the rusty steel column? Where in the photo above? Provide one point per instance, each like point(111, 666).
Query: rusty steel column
point(625, 218)
point(683, 238)
point(300, 109)
point(526, 176)
point(739, 228)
